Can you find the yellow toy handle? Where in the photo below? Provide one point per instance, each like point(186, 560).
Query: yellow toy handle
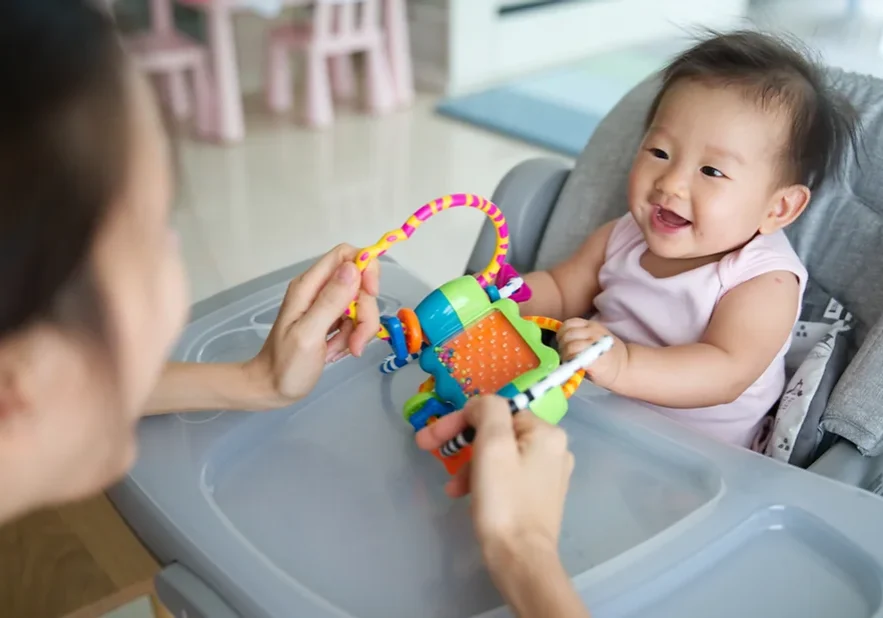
point(485, 278)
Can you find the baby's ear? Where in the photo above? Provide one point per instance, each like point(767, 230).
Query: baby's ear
point(785, 206)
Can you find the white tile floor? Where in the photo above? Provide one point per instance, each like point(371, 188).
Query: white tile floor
point(287, 194)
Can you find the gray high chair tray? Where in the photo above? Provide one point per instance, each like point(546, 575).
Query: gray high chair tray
point(327, 508)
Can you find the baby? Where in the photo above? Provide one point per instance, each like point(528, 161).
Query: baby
point(698, 283)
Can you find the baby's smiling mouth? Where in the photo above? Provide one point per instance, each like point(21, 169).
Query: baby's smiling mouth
point(669, 218)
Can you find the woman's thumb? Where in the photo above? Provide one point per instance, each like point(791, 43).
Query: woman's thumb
point(333, 299)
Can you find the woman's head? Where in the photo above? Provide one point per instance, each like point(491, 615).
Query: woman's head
point(91, 285)
point(743, 128)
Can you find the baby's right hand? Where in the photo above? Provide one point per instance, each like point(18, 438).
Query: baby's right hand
point(577, 334)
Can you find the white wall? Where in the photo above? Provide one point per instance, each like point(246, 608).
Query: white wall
point(485, 47)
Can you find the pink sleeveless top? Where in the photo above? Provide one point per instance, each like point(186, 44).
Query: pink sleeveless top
point(639, 308)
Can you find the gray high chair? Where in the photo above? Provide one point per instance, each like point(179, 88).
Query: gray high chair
point(327, 508)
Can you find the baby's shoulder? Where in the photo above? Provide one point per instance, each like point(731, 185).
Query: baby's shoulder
point(763, 254)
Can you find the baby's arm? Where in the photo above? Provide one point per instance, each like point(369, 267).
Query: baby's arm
point(748, 328)
point(567, 289)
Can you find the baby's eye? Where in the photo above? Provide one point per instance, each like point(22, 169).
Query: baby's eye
point(711, 171)
point(658, 153)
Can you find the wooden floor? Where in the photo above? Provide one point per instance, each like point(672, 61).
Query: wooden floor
point(58, 561)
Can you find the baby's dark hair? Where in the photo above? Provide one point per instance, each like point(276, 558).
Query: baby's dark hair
point(63, 156)
point(774, 72)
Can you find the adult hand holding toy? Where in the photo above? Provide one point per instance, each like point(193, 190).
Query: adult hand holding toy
point(518, 477)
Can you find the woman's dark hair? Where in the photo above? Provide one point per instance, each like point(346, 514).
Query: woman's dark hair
point(63, 155)
point(774, 72)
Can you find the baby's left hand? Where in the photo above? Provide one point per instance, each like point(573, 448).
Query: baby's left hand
point(577, 334)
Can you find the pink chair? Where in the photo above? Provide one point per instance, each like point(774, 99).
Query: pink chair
point(339, 29)
point(169, 55)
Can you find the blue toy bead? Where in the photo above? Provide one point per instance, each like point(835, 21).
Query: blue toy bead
point(396, 336)
point(493, 293)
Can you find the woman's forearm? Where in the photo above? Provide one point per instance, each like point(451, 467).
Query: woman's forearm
point(535, 585)
point(191, 387)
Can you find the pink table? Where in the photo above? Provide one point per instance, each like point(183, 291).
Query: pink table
point(219, 21)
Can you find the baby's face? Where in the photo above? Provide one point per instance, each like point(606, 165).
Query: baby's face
point(705, 176)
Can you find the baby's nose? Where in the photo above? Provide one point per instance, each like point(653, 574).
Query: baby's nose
point(673, 184)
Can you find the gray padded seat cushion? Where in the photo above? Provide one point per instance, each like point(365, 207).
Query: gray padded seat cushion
point(837, 238)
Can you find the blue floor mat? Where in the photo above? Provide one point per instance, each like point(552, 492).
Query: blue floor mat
point(532, 120)
point(558, 109)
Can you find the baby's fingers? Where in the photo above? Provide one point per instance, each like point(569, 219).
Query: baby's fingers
point(569, 350)
point(576, 333)
point(570, 326)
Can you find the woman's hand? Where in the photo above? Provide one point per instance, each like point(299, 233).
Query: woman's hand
point(577, 334)
point(298, 347)
point(518, 476)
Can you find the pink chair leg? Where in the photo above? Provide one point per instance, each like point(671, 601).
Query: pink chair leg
point(319, 107)
point(277, 83)
point(395, 26)
point(179, 100)
point(203, 99)
point(343, 76)
point(230, 117)
point(381, 96)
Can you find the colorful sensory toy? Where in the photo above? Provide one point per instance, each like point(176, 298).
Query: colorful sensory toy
point(468, 334)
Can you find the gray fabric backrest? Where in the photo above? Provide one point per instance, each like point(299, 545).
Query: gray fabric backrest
point(838, 238)
point(595, 191)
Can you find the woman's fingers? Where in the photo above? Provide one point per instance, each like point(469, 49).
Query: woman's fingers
point(492, 419)
point(337, 345)
point(371, 278)
point(367, 323)
point(304, 290)
point(334, 328)
point(332, 299)
point(459, 485)
point(435, 435)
